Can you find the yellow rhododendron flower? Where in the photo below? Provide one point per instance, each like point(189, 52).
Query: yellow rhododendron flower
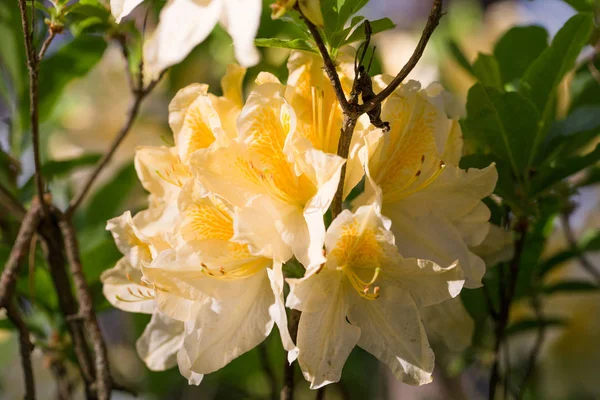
point(179, 261)
point(367, 294)
point(435, 207)
point(282, 193)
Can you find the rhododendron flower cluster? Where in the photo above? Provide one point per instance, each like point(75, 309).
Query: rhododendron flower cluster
point(246, 188)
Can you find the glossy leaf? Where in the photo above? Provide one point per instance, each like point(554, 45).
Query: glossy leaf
point(518, 49)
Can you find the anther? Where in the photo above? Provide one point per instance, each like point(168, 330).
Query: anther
point(418, 173)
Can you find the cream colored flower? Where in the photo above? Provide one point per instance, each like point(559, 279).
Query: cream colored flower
point(281, 193)
point(435, 206)
point(183, 24)
point(366, 294)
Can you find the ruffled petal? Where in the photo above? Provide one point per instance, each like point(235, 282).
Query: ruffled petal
point(241, 19)
point(160, 342)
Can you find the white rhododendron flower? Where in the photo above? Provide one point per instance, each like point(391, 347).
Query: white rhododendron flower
point(282, 193)
point(183, 24)
point(435, 207)
point(367, 294)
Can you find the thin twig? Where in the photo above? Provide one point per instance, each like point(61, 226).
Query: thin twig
point(86, 310)
point(33, 68)
point(18, 252)
point(330, 68)
point(432, 22)
point(572, 240)
point(348, 126)
point(26, 348)
point(139, 96)
point(521, 229)
point(51, 35)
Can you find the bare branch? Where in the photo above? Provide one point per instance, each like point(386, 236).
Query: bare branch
point(33, 68)
point(432, 22)
point(287, 392)
point(26, 348)
point(329, 64)
point(139, 96)
point(572, 240)
point(18, 252)
point(52, 31)
point(86, 310)
point(348, 126)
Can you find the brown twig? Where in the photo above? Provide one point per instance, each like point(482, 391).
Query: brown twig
point(51, 35)
point(572, 240)
point(287, 392)
point(501, 322)
point(348, 126)
point(26, 349)
point(432, 22)
point(138, 97)
point(18, 252)
point(86, 310)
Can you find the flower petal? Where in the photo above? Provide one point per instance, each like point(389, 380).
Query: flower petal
point(392, 331)
point(121, 8)
point(160, 342)
point(123, 289)
point(183, 24)
point(449, 323)
point(325, 338)
point(278, 313)
point(241, 19)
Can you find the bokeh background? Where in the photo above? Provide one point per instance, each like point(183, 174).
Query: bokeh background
point(80, 123)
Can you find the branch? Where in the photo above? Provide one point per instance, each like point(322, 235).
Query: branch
point(52, 31)
point(432, 22)
point(535, 301)
point(343, 149)
point(330, 69)
point(26, 348)
point(521, 229)
point(33, 68)
point(54, 251)
point(572, 240)
point(86, 310)
point(139, 96)
point(18, 252)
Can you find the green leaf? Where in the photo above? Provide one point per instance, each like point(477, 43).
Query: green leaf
point(293, 44)
point(459, 56)
point(377, 26)
point(108, 201)
point(487, 71)
point(526, 325)
point(555, 261)
point(518, 49)
point(564, 168)
point(542, 78)
point(570, 287)
point(501, 124)
point(581, 5)
point(75, 59)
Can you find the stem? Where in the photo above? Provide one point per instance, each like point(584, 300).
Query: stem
point(521, 229)
point(535, 301)
point(343, 148)
point(26, 348)
point(432, 22)
point(321, 394)
point(86, 310)
point(287, 393)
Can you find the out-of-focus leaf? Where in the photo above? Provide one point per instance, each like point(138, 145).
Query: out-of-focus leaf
point(527, 325)
point(502, 124)
point(564, 168)
point(73, 60)
point(570, 286)
point(487, 71)
point(108, 201)
point(377, 26)
point(581, 5)
point(518, 49)
point(293, 44)
point(585, 89)
point(459, 56)
point(592, 177)
point(542, 78)
point(555, 261)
